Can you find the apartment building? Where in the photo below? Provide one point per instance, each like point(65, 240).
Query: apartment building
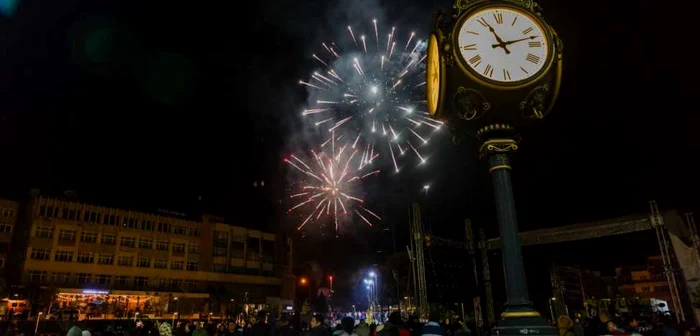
point(150, 262)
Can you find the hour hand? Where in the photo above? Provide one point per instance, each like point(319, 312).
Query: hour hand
point(501, 44)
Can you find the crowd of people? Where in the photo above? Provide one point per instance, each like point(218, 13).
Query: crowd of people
point(264, 324)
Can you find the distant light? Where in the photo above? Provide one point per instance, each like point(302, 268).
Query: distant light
point(426, 187)
point(374, 90)
point(372, 274)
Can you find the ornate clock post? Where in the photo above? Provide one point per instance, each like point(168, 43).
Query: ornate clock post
point(492, 66)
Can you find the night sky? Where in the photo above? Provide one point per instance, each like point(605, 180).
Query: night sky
point(183, 105)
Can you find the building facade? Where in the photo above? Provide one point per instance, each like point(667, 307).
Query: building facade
point(152, 263)
point(647, 282)
point(8, 218)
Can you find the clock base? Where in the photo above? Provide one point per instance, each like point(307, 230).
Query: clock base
point(524, 325)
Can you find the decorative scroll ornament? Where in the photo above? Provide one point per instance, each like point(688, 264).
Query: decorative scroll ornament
point(535, 104)
point(462, 6)
point(470, 104)
point(498, 146)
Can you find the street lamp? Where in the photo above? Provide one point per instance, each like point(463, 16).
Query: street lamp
point(486, 87)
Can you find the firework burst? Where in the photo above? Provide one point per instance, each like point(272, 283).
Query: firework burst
point(373, 88)
point(328, 185)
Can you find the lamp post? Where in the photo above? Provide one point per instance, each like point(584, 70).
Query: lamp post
point(492, 66)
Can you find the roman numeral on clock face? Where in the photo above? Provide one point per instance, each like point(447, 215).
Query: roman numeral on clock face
point(475, 60)
point(528, 30)
point(536, 44)
point(532, 58)
point(488, 71)
point(506, 74)
point(498, 16)
point(469, 47)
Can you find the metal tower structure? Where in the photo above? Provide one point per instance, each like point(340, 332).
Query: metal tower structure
point(417, 242)
point(657, 222)
point(483, 246)
point(471, 248)
point(690, 220)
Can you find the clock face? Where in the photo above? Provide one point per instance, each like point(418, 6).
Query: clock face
point(503, 44)
point(433, 75)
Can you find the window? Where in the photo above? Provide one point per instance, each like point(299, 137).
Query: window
point(145, 243)
point(44, 232)
point(60, 277)
point(105, 259)
point(128, 242)
point(176, 283)
point(130, 223)
point(48, 211)
point(103, 279)
point(109, 239)
point(221, 236)
point(144, 262)
point(7, 213)
point(40, 254)
point(122, 280)
point(110, 220)
point(192, 266)
point(86, 258)
point(66, 235)
point(91, 217)
point(140, 281)
point(64, 256)
point(193, 248)
point(193, 232)
point(164, 227)
point(646, 289)
point(125, 261)
point(88, 237)
point(176, 265)
point(69, 214)
point(2, 262)
point(4, 228)
point(162, 245)
point(83, 278)
point(146, 225)
point(178, 248)
point(179, 230)
point(237, 247)
point(36, 276)
point(220, 251)
point(218, 268)
point(161, 263)
point(189, 284)
point(268, 251)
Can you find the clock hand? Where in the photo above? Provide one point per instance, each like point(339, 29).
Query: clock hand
point(511, 42)
point(498, 38)
point(500, 42)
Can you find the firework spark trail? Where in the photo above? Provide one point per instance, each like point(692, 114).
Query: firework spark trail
point(328, 185)
point(362, 92)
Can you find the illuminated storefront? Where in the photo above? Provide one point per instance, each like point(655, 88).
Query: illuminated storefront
point(120, 303)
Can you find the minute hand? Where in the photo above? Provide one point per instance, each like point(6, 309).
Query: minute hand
point(502, 44)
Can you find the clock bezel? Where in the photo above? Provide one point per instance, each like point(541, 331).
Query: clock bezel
point(495, 84)
point(439, 37)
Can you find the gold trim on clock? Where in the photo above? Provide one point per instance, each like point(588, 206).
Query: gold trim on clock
point(435, 99)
